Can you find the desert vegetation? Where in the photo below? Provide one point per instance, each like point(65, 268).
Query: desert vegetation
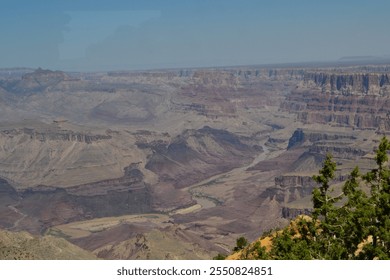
point(354, 224)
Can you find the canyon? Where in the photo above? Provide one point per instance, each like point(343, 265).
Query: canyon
point(177, 164)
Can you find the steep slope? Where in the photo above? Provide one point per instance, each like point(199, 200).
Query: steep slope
point(170, 242)
point(63, 155)
point(24, 246)
point(199, 154)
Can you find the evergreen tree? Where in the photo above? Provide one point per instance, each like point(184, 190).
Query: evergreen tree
point(328, 229)
point(353, 214)
point(358, 229)
point(240, 243)
point(377, 210)
point(322, 201)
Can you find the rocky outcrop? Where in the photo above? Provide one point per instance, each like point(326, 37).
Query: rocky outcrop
point(55, 135)
point(363, 112)
point(317, 144)
point(131, 181)
point(352, 99)
point(198, 154)
point(357, 111)
point(289, 188)
point(337, 150)
point(349, 83)
point(64, 135)
point(301, 136)
point(292, 213)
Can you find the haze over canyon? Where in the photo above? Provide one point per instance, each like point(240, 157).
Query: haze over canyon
point(177, 164)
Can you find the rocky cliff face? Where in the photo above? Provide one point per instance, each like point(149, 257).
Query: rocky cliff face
point(290, 188)
point(362, 112)
point(350, 99)
point(291, 213)
point(338, 150)
point(349, 83)
point(319, 143)
point(293, 191)
point(55, 135)
point(293, 188)
point(301, 137)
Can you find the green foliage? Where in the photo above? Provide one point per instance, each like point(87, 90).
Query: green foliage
point(287, 247)
point(322, 201)
point(260, 251)
point(255, 251)
point(219, 257)
point(358, 227)
point(240, 243)
point(376, 211)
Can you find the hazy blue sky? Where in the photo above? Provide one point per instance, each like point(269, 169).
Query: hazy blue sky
point(139, 34)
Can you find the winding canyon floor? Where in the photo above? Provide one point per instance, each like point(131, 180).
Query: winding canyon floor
point(177, 164)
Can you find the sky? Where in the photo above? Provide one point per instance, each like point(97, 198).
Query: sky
point(93, 35)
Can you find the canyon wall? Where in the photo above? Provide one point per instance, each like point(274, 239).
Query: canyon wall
point(358, 100)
